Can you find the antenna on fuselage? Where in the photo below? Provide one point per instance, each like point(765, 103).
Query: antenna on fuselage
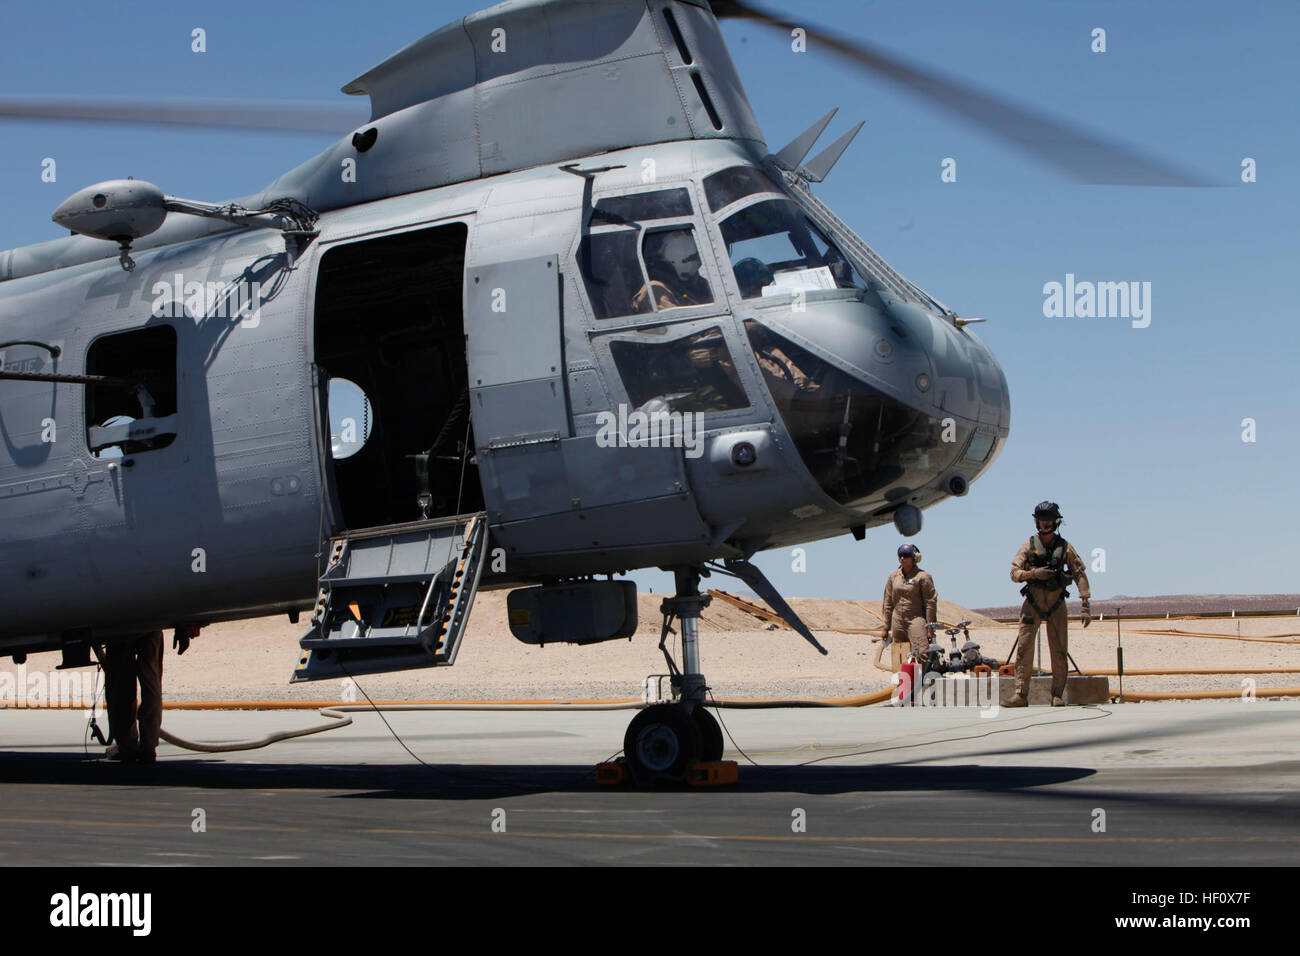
point(123, 210)
point(790, 157)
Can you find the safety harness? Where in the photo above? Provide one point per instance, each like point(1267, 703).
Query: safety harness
point(1040, 556)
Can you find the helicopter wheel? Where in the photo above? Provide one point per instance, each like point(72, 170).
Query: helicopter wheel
point(711, 745)
point(661, 743)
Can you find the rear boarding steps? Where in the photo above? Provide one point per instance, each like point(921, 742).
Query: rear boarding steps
point(394, 598)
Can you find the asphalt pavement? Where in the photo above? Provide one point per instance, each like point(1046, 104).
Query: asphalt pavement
point(1183, 783)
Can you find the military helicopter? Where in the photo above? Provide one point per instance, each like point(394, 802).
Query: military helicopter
point(554, 313)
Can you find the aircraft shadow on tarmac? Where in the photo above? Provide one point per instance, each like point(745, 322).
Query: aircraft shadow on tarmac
point(483, 781)
point(1169, 793)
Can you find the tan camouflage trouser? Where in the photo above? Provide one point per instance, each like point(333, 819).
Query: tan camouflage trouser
point(1057, 643)
point(910, 640)
point(124, 663)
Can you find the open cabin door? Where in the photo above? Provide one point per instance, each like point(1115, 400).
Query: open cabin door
point(390, 346)
point(395, 598)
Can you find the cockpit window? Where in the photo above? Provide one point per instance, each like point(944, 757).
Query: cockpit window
point(981, 443)
point(659, 204)
point(774, 249)
point(725, 187)
point(846, 276)
point(611, 269)
point(673, 261)
point(691, 374)
point(863, 447)
point(620, 282)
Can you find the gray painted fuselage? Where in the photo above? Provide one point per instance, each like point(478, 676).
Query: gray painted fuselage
point(229, 519)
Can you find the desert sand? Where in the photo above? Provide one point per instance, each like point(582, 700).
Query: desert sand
point(741, 657)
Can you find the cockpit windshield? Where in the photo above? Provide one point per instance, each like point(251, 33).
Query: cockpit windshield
point(612, 268)
point(863, 447)
point(735, 182)
point(775, 249)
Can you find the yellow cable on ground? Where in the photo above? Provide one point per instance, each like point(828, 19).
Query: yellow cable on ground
point(338, 714)
point(871, 612)
point(1211, 694)
point(489, 705)
point(1198, 670)
point(337, 720)
point(1274, 639)
point(340, 718)
point(267, 704)
point(430, 704)
point(861, 700)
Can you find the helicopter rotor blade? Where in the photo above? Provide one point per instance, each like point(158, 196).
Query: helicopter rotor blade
point(280, 116)
point(1081, 157)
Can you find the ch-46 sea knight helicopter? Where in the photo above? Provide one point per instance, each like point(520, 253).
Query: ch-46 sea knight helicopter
point(554, 313)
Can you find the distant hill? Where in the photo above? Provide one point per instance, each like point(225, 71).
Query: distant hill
point(1173, 605)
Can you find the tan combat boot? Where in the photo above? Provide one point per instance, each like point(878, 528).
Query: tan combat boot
point(1058, 702)
point(1016, 701)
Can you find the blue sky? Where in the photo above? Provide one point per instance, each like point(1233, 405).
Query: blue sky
point(1136, 432)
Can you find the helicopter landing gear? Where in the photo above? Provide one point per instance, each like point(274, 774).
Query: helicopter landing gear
point(665, 742)
point(661, 743)
point(710, 735)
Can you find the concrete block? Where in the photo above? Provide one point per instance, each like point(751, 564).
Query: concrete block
point(967, 690)
point(1078, 690)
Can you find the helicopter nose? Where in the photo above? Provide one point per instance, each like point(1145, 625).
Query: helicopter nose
point(913, 355)
point(887, 406)
point(967, 381)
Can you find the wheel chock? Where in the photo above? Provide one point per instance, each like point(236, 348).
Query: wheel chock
point(613, 774)
point(713, 773)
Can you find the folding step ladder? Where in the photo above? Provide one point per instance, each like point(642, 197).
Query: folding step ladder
point(394, 598)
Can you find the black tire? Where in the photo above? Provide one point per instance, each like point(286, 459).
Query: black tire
point(660, 744)
point(710, 734)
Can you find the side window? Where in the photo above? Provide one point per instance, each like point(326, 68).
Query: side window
point(134, 409)
point(981, 443)
point(691, 374)
point(846, 276)
point(775, 249)
point(611, 270)
point(735, 182)
point(673, 262)
point(639, 207)
point(616, 276)
point(642, 268)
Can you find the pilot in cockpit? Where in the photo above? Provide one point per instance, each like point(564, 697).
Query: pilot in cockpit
point(673, 262)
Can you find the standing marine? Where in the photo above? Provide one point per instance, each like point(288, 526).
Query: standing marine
point(910, 602)
point(1046, 564)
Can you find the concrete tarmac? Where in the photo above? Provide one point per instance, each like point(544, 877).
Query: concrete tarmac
point(1188, 783)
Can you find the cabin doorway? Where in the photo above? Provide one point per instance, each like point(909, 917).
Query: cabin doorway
point(390, 347)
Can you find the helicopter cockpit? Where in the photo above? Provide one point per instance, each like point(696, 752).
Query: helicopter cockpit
point(849, 351)
point(775, 249)
point(641, 253)
point(773, 246)
point(855, 440)
point(630, 268)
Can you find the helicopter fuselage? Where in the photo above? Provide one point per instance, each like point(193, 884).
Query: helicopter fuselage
point(661, 369)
